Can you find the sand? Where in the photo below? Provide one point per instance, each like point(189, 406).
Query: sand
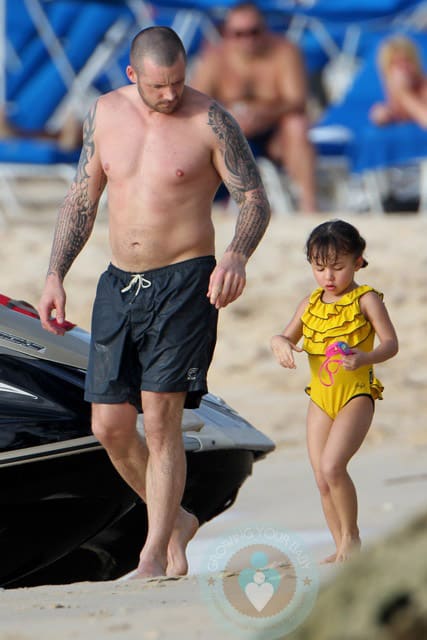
point(389, 471)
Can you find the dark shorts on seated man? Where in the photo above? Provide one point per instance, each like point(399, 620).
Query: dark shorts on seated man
point(259, 142)
point(152, 331)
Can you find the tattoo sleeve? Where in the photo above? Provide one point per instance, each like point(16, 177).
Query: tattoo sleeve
point(78, 211)
point(243, 181)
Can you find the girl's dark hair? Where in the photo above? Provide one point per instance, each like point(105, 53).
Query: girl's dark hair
point(331, 238)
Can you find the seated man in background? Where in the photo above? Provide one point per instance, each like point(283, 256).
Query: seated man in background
point(260, 78)
point(405, 84)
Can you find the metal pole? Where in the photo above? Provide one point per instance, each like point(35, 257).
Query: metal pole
point(3, 36)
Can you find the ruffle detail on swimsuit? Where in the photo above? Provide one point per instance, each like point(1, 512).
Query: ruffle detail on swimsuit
point(324, 323)
point(377, 389)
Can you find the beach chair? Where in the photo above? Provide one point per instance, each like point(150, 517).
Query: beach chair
point(55, 52)
point(61, 55)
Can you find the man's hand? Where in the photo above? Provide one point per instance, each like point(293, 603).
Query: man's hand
point(53, 299)
point(246, 117)
point(227, 280)
point(254, 117)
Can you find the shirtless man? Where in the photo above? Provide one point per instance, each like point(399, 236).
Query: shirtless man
point(260, 78)
point(162, 149)
point(405, 84)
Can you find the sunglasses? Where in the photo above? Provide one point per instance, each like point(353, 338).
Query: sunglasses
point(248, 33)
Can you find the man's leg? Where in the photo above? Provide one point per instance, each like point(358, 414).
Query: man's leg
point(165, 477)
point(299, 159)
point(114, 425)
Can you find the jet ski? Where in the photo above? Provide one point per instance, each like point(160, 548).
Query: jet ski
point(65, 513)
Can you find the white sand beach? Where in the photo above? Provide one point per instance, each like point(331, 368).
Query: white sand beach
point(389, 471)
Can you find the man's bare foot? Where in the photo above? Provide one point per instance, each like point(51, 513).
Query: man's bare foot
point(185, 528)
point(349, 546)
point(329, 559)
point(148, 569)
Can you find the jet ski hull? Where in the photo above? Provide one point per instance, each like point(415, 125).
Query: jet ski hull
point(65, 513)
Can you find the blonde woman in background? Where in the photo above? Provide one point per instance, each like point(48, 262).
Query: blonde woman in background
point(405, 84)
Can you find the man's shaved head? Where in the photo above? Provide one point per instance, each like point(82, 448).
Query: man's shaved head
point(161, 44)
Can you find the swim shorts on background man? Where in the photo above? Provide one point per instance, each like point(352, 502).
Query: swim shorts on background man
point(152, 331)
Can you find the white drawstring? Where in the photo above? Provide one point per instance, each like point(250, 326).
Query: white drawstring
point(137, 278)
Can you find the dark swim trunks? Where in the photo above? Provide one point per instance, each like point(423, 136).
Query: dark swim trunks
point(258, 143)
point(152, 331)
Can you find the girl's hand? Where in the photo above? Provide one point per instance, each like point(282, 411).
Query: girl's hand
point(283, 350)
point(355, 360)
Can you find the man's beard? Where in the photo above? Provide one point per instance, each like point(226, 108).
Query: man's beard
point(161, 106)
point(166, 107)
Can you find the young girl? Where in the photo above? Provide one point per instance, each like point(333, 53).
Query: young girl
point(343, 388)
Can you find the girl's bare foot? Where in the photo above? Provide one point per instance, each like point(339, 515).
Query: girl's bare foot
point(349, 546)
point(185, 527)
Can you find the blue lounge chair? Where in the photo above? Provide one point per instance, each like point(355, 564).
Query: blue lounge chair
point(58, 48)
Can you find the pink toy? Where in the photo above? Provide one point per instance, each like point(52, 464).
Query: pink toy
point(332, 357)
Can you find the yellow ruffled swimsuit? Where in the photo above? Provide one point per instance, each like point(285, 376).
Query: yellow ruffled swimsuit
point(324, 323)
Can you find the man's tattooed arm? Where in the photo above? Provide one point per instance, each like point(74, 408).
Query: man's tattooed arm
point(78, 211)
point(242, 180)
